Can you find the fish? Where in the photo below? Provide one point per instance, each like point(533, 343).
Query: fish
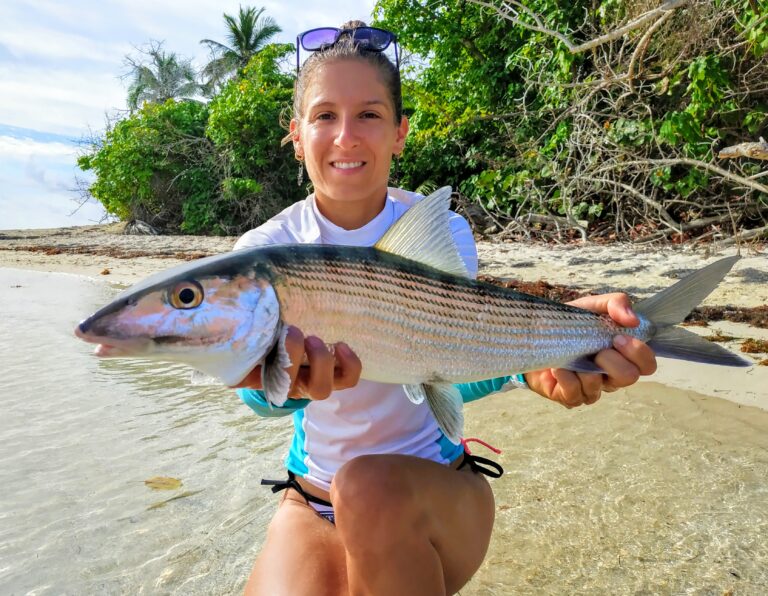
point(406, 306)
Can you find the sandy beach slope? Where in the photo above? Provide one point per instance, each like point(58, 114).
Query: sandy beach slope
point(102, 252)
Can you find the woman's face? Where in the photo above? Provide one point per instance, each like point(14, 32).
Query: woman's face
point(347, 136)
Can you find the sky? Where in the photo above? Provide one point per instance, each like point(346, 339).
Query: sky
point(60, 76)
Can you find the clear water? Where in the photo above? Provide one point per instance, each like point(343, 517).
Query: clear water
point(78, 437)
point(652, 491)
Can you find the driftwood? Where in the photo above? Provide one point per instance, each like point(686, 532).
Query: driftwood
point(757, 150)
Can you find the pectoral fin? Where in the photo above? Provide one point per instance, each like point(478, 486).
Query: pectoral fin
point(274, 378)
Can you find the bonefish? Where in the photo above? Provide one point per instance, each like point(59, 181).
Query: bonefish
point(406, 306)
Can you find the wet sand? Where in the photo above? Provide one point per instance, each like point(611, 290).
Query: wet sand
point(654, 490)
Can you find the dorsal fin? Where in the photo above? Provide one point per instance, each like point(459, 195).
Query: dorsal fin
point(423, 234)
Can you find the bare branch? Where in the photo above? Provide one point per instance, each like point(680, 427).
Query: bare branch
point(696, 164)
point(512, 9)
point(665, 216)
point(639, 53)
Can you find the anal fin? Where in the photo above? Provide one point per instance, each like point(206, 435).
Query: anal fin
point(583, 364)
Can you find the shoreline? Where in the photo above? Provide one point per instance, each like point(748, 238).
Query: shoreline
point(102, 253)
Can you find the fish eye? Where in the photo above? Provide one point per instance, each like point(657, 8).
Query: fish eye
point(186, 294)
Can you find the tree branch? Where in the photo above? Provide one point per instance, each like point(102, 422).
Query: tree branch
point(512, 9)
point(665, 216)
point(696, 164)
point(642, 46)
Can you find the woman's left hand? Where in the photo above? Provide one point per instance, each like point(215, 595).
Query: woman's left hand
point(623, 364)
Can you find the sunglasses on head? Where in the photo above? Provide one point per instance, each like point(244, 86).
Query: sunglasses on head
point(369, 39)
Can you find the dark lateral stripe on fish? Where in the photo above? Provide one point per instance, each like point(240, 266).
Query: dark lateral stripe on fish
point(438, 313)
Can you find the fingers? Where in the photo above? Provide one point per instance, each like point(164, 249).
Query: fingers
point(316, 379)
point(348, 367)
point(627, 352)
point(318, 370)
point(616, 305)
point(576, 389)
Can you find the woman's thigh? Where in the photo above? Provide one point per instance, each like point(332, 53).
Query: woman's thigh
point(302, 554)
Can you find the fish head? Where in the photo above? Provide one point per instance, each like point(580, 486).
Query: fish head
point(221, 320)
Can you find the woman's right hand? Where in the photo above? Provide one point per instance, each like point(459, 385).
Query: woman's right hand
point(315, 369)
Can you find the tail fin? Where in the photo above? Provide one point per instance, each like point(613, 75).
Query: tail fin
point(673, 342)
point(669, 307)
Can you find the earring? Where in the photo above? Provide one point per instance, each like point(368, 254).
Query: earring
point(300, 175)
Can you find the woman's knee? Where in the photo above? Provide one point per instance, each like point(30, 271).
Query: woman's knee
point(376, 495)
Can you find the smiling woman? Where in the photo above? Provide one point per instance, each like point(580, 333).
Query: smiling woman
point(410, 511)
point(346, 137)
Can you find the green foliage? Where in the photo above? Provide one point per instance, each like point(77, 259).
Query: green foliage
point(754, 27)
point(202, 169)
point(149, 164)
point(508, 114)
point(505, 113)
point(166, 76)
point(464, 98)
point(247, 35)
point(244, 125)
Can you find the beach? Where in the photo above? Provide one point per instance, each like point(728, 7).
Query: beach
point(658, 488)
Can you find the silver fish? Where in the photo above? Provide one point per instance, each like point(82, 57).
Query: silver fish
point(406, 307)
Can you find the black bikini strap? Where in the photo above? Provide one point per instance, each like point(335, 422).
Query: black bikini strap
point(481, 465)
point(278, 485)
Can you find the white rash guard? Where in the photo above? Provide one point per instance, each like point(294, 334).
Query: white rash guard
point(370, 418)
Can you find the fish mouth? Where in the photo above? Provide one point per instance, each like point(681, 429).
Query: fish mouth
point(111, 347)
point(114, 347)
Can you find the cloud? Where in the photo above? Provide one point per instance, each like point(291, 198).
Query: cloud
point(59, 46)
point(23, 210)
point(67, 102)
point(68, 57)
point(12, 147)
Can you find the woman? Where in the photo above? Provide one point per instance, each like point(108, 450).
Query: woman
point(409, 518)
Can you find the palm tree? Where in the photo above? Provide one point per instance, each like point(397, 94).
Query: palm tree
point(248, 34)
point(166, 77)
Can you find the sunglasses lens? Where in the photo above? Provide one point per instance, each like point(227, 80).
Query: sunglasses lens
point(374, 39)
point(317, 39)
point(367, 38)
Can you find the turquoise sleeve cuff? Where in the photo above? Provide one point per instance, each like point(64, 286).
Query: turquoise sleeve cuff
point(255, 400)
point(472, 391)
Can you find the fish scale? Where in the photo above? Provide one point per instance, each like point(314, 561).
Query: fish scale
point(409, 323)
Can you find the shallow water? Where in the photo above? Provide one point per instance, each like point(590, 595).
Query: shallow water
point(78, 436)
point(650, 491)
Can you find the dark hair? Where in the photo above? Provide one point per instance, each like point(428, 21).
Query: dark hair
point(347, 49)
